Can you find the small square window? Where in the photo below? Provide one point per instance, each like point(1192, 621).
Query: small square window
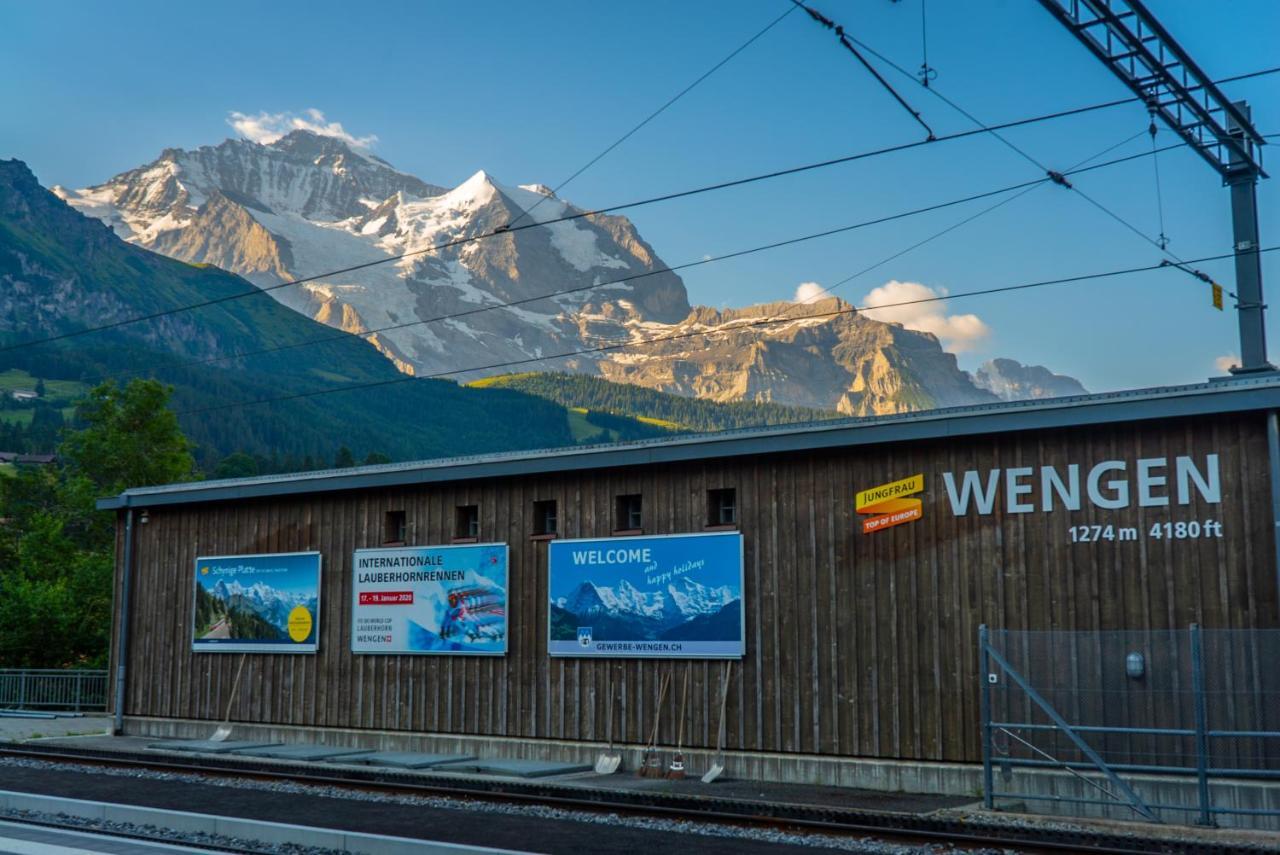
point(467, 522)
point(628, 513)
point(722, 507)
point(544, 517)
point(395, 527)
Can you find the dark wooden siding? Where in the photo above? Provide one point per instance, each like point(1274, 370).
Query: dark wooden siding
point(856, 645)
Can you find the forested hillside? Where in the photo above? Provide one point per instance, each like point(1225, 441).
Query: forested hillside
point(660, 409)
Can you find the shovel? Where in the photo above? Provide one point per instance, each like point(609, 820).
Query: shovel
point(676, 770)
point(717, 768)
point(607, 763)
point(223, 730)
point(651, 763)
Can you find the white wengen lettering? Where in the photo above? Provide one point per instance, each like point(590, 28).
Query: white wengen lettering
point(1069, 492)
point(1013, 490)
point(971, 486)
point(1210, 488)
point(1119, 489)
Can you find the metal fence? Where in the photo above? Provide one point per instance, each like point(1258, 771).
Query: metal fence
point(53, 689)
point(1162, 724)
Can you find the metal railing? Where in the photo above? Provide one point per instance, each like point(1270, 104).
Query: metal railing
point(53, 689)
point(1199, 705)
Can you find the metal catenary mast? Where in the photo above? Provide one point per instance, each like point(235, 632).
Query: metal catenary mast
point(1139, 50)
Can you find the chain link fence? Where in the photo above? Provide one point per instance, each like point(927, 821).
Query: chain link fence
point(1164, 725)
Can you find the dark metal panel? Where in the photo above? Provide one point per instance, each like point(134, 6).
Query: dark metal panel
point(1225, 397)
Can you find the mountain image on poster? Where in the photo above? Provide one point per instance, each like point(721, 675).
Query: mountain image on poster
point(264, 600)
point(611, 597)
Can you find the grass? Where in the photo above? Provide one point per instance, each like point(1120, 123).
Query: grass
point(54, 390)
point(662, 423)
point(330, 375)
point(23, 417)
point(498, 380)
point(7, 470)
point(584, 430)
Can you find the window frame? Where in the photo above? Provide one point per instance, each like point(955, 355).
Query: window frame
point(628, 516)
point(395, 528)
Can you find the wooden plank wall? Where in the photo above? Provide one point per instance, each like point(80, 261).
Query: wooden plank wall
point(856, 645)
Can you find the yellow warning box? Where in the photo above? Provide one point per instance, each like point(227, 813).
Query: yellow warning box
point(890, 504)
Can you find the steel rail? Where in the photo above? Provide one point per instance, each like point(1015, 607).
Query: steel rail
point(804, 818)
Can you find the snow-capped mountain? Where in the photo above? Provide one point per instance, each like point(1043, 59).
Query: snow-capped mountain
point(270, 604)
point(693, 599)
point(591, 599)
point(306, 204)
point(674, 604)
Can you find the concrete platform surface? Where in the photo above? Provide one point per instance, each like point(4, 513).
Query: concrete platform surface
point(767, 792)
point(208, 746)
point(20, 729)
point(404, 759)
point(515, 768)
point(306, 752)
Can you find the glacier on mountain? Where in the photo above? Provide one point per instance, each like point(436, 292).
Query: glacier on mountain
point(438, 268)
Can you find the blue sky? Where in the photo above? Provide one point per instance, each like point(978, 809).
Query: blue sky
point(530, 92)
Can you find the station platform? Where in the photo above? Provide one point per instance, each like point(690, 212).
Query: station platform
point(459, 778)
point(461, 770)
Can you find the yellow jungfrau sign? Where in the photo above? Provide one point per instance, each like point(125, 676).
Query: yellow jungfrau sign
point(890, 505)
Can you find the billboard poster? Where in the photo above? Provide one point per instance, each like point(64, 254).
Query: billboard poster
point(662, 596)
point(257, 603)
point(430, 599)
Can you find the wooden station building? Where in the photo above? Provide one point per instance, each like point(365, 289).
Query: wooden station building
point(871, 551)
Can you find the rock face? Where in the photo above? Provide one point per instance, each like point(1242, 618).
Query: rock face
point(306, 204)
point(62, 272)
point(1010, 380)
point(822, 355)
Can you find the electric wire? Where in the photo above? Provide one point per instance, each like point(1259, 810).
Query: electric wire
point(1067, 280)
point(847, 42)
point(972, 217)
point(1024, 187)
point(647, 119)
point(926, 72)
point(1162, 246)
point(583, 214)
point(619, 281)
point(1155, 165)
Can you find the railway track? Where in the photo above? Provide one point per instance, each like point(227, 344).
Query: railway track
point(890, 827)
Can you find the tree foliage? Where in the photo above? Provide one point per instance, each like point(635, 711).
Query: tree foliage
point(56, 549)
point(130, 438)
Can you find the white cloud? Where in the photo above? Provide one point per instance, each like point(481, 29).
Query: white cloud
point(1226, 362)
point(268, 127)
point(809, 292)
point(916, 307)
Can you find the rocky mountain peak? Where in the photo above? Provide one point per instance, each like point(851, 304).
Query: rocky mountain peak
point(460, 291)
point(1012, 381)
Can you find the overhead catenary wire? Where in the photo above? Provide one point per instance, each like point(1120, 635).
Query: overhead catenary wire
point(1079, 167)
point(345, 336)
point(994, 131)
point(847, 42)
point(1155, 165)
point(655, 114)
point(926, 72)
point(846, 310)
point(582, 214)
